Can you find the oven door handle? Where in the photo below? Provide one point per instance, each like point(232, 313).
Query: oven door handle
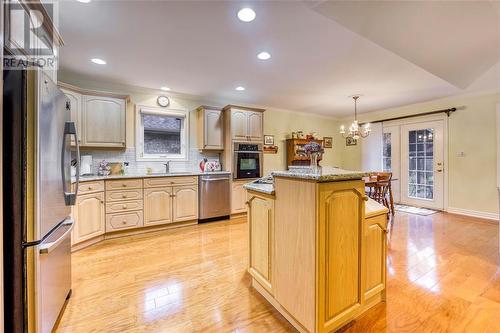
point(250, 152)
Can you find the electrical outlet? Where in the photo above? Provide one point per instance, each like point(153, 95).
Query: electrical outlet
point(460, 154)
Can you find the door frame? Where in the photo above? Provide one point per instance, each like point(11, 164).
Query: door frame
point(423, 119)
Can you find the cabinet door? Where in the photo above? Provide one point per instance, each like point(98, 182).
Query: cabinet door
point(103, 120)
point(185, 203)
point(261, 225)
point(157, 206)
point(255, 132)
point(88, 214)
point(239, 125)
point(213, 130)
point(238, 198)
point(75, 100)
point(340, 236)
point(374, 254)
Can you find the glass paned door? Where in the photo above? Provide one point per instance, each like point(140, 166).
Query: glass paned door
point(391, 157)
point(387, 152)
point(422, 164)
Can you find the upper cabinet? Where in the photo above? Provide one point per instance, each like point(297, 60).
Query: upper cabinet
point(75, 103)
point(100, 120)
point(103, 122)
point(246, 123)
point(210, 128)
point(239, 125)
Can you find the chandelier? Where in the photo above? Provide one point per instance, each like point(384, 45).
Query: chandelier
point(355, 131)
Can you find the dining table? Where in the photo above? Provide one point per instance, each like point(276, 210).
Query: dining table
point(372, 182)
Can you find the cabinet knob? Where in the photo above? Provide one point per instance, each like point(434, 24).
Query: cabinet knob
point(90, 188)
point(124, 206)
point(124, 196)
point(124, 185)
point(102, 202)
point(124, 221)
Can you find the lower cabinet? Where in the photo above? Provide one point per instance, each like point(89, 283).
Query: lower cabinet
point(238, 197)
point(122, 221)
point(170, 204)
point(374, 253)
point(88, 214)
point(261, 238)
point(157, 205)
point(185, 203)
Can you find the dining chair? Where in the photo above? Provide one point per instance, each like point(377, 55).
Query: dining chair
point(381, 191)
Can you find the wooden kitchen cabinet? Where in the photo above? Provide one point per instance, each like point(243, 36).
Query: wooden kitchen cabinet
point(103, 121)
point(88, 214)
point(185, 203)
point(210, 128)
point(246, 123)
point(75, 103)
point(255, 130)
point(99, 117)
point(239, 125)
point(374, 254)
point(157, 206)
point(261, 232)
point(238, 197)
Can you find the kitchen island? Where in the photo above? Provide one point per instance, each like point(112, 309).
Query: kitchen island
point(317, 247)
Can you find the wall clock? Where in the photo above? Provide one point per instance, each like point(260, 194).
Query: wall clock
point(163, 101)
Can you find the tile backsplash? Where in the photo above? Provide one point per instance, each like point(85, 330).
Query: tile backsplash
point(140, 167)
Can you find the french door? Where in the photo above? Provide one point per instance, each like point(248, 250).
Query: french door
point(422, 164)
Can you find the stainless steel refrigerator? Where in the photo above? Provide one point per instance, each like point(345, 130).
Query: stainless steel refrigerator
point(37, 201)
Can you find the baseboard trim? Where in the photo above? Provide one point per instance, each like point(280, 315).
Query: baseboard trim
point(473, 213)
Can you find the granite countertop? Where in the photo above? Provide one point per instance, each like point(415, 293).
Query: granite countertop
point(324, 174)
point(153, 175)
point(262, 188)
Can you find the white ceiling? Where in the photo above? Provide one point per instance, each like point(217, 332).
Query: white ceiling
point(322, 52)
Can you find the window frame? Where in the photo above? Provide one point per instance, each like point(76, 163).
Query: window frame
point(139, 134)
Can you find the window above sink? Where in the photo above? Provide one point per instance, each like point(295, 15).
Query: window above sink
point(161, 134)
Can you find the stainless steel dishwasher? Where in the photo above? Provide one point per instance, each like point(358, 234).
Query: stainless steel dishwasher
point(214, 200)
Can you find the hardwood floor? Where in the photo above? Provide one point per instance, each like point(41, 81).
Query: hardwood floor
point(443, 276)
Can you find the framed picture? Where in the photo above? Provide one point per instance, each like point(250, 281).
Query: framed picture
point(269, 140)
point(350, 142)
point(327, 142)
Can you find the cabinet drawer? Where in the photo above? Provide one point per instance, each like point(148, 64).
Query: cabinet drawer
point(123, 184)
point(123, 206)
point(123, 195)
point(169, 181)
point(121, 221)
point(91, 187)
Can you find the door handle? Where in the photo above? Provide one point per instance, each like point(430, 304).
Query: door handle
point(46, 248)
point(70, 197)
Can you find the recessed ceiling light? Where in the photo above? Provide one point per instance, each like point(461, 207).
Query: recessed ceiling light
point(83, 1)
point(246, 14)
point(98, 61)
point(239, 88)
point(165, 88)
point(264, 55)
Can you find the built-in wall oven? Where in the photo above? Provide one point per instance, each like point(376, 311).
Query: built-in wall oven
point(247, 162)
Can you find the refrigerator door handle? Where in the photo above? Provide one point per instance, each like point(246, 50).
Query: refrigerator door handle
point(46, 248)
point(70, 197)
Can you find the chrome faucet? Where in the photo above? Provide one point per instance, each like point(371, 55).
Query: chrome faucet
point(167, 167)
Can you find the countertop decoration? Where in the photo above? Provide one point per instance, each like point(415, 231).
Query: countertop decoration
point(314, 150)
point(104, 168)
